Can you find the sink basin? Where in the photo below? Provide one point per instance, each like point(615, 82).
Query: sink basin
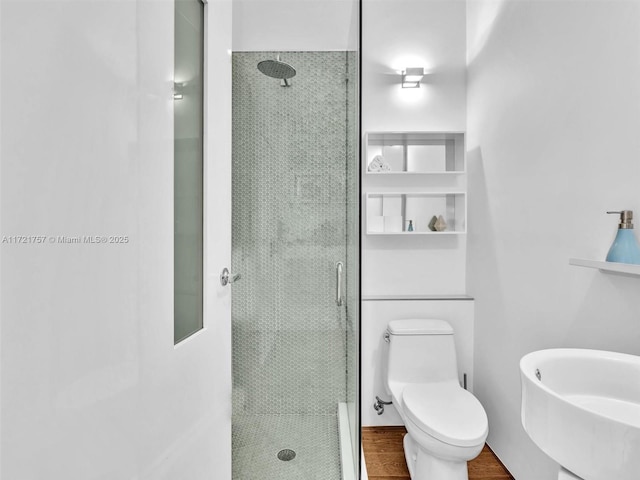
point(582, 408)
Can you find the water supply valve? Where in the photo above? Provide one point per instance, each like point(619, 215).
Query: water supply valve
point(379, 404)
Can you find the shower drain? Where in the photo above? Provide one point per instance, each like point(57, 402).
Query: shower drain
point(286, 455)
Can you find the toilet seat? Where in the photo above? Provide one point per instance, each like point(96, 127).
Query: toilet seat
point(447, 412)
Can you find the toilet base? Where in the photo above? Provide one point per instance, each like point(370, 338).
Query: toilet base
point(423, 466)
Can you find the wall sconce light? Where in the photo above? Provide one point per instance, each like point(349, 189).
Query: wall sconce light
point(411, 77)
point(178, 90)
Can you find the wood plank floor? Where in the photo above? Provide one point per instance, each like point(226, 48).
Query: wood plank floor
point(384, 457)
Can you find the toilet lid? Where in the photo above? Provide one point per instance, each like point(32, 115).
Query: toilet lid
point(447, 412)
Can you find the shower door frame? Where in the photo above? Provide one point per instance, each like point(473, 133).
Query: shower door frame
point(217, 219)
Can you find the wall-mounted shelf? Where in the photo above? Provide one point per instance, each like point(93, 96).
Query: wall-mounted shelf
point(607, 267)
point(389, 213)
point(404, 298)
point(416, 153)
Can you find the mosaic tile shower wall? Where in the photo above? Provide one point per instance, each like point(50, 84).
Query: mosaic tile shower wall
point(290, 157)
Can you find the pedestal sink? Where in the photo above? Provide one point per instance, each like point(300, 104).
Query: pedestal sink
point(582, 408)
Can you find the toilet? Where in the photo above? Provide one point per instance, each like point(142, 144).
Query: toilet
point(446, 424)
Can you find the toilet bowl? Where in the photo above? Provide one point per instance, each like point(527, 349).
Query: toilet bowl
point(446, 424)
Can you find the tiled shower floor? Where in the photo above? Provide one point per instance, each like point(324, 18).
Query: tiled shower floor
point(257, 439)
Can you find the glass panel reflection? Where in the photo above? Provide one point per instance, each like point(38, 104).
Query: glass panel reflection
point(188, 167)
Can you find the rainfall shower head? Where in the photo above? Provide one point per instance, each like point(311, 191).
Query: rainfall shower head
point(277, 69)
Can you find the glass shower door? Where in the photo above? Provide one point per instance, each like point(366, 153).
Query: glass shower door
point(294, 218)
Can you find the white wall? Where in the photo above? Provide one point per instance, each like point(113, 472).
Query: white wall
point(92, 386)
point(294, 25)
point(554, 115)
point(411, 33)
point(399, 34)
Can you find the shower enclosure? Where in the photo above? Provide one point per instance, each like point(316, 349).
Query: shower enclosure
point(295, 241)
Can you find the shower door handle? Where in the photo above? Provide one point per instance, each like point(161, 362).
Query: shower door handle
point(339, 266)
point(227, 278)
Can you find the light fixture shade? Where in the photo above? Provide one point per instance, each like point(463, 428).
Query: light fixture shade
point(411, 77)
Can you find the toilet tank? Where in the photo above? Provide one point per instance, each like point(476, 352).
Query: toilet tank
point(420, 351)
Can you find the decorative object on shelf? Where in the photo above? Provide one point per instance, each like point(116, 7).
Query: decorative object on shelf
point(625, 246)
point(432, 223)
point(378, 164)
point(410, 227)
point(440, 224)
point(412, 76)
